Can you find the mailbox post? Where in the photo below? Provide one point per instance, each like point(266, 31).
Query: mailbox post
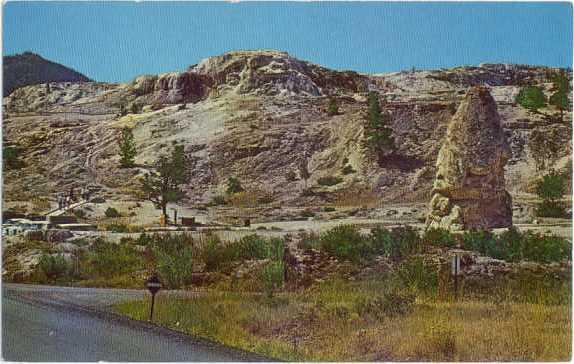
point(153, 284)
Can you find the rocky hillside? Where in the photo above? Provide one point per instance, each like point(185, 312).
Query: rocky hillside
point(31, 69)
point(254, 115)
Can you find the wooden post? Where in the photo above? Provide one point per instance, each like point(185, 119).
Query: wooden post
point(152, 303)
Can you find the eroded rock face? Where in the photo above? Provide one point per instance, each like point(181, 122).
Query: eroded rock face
point(173, 88)
point(276, 73)
point(469, 190)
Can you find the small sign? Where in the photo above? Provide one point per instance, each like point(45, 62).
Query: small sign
point(455, 265)
point(153, 284)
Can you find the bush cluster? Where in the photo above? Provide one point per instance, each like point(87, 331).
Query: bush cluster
point(514, 246)
point(216, 254)
point(173, 256)
point(112, 212)
point(329, 181)
point(102, 260)
point(346, 242)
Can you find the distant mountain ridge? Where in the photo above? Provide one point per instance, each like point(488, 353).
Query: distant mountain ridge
point(29, 69)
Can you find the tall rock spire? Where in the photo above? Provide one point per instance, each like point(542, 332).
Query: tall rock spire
point(469, 191)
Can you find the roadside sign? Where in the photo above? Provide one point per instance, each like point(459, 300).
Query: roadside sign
point(153, 284)
point(455, 265)
point(455, 270)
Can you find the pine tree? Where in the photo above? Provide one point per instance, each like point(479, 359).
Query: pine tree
point(163, 185)
point(379, 135)
point(531, 98)
point(559, 98)
point(561, 101)
point(127, 148)
point(333, 107)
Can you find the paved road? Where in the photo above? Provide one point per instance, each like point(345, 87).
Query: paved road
point(74, 324)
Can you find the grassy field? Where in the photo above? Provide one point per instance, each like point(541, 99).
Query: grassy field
point(340, 321)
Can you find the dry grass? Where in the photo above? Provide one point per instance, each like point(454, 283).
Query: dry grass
point(357, 198)
point(252, 198)
point(324, 325)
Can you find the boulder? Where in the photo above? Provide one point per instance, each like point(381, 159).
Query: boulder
point(469, 188)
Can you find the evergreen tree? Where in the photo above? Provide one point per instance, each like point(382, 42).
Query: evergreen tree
point(379, 135)
point(531, 98)
point(333, 107)
point(561, 82)
point(561, 101)
point(163, 185)
point(127, 148)
point(559, 98)
point(551, 190)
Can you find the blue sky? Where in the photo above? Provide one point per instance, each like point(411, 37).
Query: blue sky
point(116, 41)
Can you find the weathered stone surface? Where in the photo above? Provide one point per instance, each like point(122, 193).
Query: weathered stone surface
point(469, 190)
point(172, 88)
point(268, 72)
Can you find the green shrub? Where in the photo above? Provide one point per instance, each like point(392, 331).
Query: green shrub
point(233, 185)
point(514, 246)
point(112, 212)
point(348, 169)
point(531, 98)
point(54, 266)
point(545, 248)
point(272, 277)
point(346, 242)
point(381, 240)
point(550, 209)
point(118, 228)
point(333, 107)
point(146, 239)
point(174, 256)
point(511, 244)
point(105, 259)
point(483, 242)
point(329, 181)
point(11, 156)
point(309, 240)
point(276, 249)
point(216, 255)
point(252, 247)
point(397, 243)
point(418, 276)
point(211, 254)
point(439, 237)
point(551, 189)
point(329, 209)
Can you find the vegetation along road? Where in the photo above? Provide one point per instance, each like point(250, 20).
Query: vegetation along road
point(41, 323)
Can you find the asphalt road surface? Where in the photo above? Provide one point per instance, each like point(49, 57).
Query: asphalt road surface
point(42, 323)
